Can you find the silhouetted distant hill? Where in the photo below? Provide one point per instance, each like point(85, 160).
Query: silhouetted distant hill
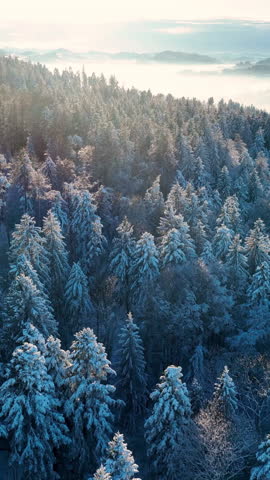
point(260, 68)
point(62, 54)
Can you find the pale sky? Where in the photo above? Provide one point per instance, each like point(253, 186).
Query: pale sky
point(135, 25)
point(101, 11)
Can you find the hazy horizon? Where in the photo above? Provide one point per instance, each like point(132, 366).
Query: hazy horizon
point(140, 26)
point(230, 32)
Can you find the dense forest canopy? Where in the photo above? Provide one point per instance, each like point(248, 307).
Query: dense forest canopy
point(133, 228)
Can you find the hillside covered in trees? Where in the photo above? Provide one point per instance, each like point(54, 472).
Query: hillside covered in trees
point(135, 281)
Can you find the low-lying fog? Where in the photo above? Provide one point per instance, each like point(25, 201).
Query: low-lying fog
point(200, 81)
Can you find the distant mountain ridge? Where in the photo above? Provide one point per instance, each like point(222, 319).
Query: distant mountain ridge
point(260, 68)
point(60, 54)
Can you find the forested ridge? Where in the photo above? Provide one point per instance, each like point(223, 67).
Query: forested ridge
point(135, 281)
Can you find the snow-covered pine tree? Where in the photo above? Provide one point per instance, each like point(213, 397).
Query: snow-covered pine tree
point(131, 376)
point(259, 143)
point(24, 266)
point(207, 254)
point(144, 270)
point(183, 235)
point(196, 212)
point(169, 220)
point(200, 174)
point(120, 462)
point(78, 305)
point(83, 217)
point(49, 170)
point(222, 241)
point(257, 246)
point(40, 187)
point(255, 188)
point(199, 235)
point(24, 303)
point(57, 259)
point(29, 414)
point(24, 176)
point(237, 264)
point(154, 204)
point(262, 471)
point(258, 291)
point(230, 214)
point(90, 402)
point(101, 474)
point(31, 334)
point(225, 394)
point(121, 258)
point(224, 183)
point(186, 155)
point(59, 209)
point(27, 240)
point(171, 249)
point(95, 247)
point(169, 421)
point(175, 199)
point(57, 362)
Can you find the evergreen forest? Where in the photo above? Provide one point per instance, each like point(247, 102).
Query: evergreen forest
point(134, 281)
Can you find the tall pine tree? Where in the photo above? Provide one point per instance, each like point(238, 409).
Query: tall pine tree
point(29, 414)
point(89, 406)
point(131, 382)
point(120, 462)
point(169, 420)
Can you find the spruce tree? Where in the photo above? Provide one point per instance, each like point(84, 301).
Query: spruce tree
point(95, 248)
point(259, 143)
point(101, 474)
point(225, 395)
point(83, 217)
point(207, 254)
point(175, 199)
point(90, 402)
point(59, 209)
point(121, 257)
point(257, 246)
point(222, 242)
point(255, 188)
point(131, 380)
point(49, 170)
point(24, 303)
point(183, 235)
point(171, 250)
point(24, 266)
point(262, 471)
point(29, 414)
point(120, 462)
point(57, 259)
point(57, 362)
point(78, 305)
point(224, 183)
point(237, 264)
point(27, 240)
point(144, 269)
point(170, 220)
point(169, 420)
point(230, 214)
point(31, 334)
point(259, 290)
point(24, 177)
point(154, 204)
